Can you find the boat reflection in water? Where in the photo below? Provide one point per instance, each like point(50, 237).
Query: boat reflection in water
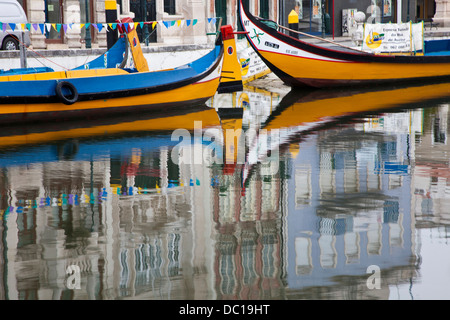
point(329, 187)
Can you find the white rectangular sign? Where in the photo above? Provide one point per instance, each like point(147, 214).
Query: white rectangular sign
point(393, 37)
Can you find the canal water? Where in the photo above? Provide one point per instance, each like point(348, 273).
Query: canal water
point(257, 195)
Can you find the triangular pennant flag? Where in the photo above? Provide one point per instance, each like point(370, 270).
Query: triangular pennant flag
point(48, 26)
point(42, 27)
point(12, 26)
point(35, 26)
point(95, 26)
point(28, 26)
point(58, 27)
point(22, 26)
point(87, 25)
point(71, 25)
point(172, 23)
point(209, 20)
point(141, 24)
point(65, 27)
point(188, 22)
point(167, 24)
point(154, 24)
point(178, 22)
point(54, 26)
point(193, 23)
point(213, 20)
point(105, 26)
point(136, 25)
point(3, 26)
point(125, 26)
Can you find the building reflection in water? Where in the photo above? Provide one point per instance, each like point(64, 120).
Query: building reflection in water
point(338, 200)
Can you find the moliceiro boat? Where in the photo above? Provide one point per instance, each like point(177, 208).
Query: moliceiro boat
point(98, 89)
point(302, 64)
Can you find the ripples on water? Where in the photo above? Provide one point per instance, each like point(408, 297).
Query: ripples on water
point(331, 190)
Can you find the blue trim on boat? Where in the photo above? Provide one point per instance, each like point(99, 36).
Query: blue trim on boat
point(439, 53)
point(112, 58)
point(12, 72)
point(439, 47)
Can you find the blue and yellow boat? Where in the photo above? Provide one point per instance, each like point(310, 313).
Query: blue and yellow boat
point(91, 91)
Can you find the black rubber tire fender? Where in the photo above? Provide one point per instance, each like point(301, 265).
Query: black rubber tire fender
point(66, 99)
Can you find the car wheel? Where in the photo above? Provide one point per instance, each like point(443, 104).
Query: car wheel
point(10, 44)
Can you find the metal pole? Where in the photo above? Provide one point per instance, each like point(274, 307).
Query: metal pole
point(323, 18)
point(145, 25)
point(407, 13)
point(333, 19)
point(293, 23)
point(23, 54)
point(310, 14)
point(111, 17)
point(87, 39)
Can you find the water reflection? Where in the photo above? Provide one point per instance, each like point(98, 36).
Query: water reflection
point(307, 194)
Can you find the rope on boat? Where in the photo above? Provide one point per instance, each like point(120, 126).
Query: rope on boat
point(321, 39)
point(28, 48)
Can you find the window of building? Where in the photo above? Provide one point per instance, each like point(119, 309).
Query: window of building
point(86, 16)
point(145, 10)
point(315, 16)
point(221, 10)
point(54, 15)
point(264, 9)
point(169, 6)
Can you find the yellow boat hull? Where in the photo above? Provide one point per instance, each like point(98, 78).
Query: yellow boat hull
point(195, 93)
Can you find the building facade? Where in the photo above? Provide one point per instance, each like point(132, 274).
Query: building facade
point(315, 17)
point(326, 16)
point(65, 12)
point(63, 18)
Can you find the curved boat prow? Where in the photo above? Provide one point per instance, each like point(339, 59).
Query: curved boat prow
point(113, 58)
point(135, 46)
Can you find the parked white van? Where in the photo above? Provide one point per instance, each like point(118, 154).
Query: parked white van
point(12, 12)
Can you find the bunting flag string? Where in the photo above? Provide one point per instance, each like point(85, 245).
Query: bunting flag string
point(100, 27)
